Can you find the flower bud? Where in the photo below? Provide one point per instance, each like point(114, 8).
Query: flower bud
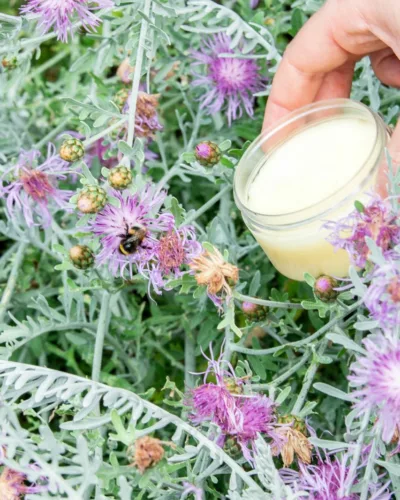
point(207, 153)
point(121, 97)
point(324, 288)
point(72, 150)
point(81, 256)
point(254, 311)
point(120, 177)
point(91, 199)
point(9, 63)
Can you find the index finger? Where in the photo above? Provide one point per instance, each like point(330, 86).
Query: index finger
point(312, 55)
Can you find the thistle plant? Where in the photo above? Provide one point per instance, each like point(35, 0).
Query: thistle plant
point(124, 260)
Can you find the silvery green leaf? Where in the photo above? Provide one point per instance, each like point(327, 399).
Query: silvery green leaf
point(327, 444)
point(345, 342)
point(332, 391)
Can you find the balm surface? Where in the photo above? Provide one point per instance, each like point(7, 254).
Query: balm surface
point(310, 166)
point(301, 172)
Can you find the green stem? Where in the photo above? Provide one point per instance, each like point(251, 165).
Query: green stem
point(166, 354)
point(268, 303)
point(299, 343)
point(368, 471)
point(284, 376)
point(138, 73)
point(190, 358)
point(308, 380)
point(356, 454)
point(12, 280)
point(102, 328)
point(104, 132)
point(61, 126)
point(211, 202)
point(48, 64)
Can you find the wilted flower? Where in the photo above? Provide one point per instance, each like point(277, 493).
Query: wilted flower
point(239, 416)
point(125, 70)
point(136, 234)
point(13, 485)
point(148, 451)
point(293, 440)
point(376, 377)
point(60, 14)
point(230, 82)
point(212, 270)
point(383, 295)
point(146, 118)
point(327, 481)
point(31, 189)
point(376, 221)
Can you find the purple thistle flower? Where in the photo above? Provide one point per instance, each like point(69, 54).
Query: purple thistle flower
point(12, 485)
point(327, 480)
point(30, 190)
point(230, 82)
point(383, 295)
point(377, 378)
point(377, 221)
point(59, 14)
point(240, 416)
point(153, 258)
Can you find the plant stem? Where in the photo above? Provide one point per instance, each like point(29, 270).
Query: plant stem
point(190, 358)
point(61, 126)
point(268, 303)
point(211, 202)
point(308, 380)
point(228, 344)
point(356, 455)
point(12, 280)
point(284, 376)
point(368, 470)
point(104, 132)
point(138, 73)
point(48, 64)
point(299, 343)
point(102, 327)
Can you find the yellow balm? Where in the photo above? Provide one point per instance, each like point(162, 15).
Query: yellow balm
point(310, 168)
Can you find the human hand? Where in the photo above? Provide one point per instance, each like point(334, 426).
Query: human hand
point(319, 63)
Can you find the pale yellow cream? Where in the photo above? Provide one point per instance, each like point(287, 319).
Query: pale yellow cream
point(303, 171)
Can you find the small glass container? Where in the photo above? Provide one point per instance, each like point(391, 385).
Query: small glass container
point(295, 240)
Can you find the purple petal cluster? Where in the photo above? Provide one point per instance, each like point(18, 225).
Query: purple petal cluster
point(383, 295)
point(13, 485)
point(31, 188)
point(164, 249)
point(376, 377)
point(240, 416)
point(377, 221)
point(59, 15)
point(327, 480)
point(229, 82)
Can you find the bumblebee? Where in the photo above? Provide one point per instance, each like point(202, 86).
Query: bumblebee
point(132, 239)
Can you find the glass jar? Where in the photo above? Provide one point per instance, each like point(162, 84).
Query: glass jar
point(295, 240)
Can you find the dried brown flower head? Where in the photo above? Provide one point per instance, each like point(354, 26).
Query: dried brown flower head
point(148, 451)
point(214, 272)
point(295, 442)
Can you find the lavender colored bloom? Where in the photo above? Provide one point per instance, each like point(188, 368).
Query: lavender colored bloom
point(383, 295)
point(230, 82)
point(377, 221)
point(327, 480)
point(31, 189)
point(60, 14)
point(153, 257)
point(254, 4)
point(239, 416)
point(377, 379)
point(13, 485)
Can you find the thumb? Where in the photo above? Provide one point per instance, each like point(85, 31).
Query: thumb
point(394, 153)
